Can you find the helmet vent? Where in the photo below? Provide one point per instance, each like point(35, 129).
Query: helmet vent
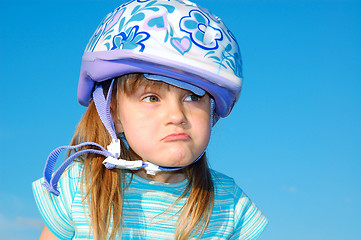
point(209, 35)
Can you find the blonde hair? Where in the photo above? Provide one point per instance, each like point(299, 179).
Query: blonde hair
point(104, 188)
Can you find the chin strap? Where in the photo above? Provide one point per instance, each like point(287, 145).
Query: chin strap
point(112, 152)
point(113, 162)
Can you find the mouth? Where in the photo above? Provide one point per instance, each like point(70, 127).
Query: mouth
point(176, 137)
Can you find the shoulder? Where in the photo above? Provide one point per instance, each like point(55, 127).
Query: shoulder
point(56, 211)
point(74, 171)
point(226, 191)
point(69, 179)
point(221, 176)
point(68, 186)
point(249, 221)
point(223, 183)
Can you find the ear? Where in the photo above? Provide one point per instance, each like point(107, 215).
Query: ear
point(116, 120)
point(118, 125)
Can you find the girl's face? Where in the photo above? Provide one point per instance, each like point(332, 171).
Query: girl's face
point(165, 125)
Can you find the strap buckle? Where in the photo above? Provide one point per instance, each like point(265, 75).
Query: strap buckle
point(124, 164)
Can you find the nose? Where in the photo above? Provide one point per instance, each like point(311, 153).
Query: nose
point(175, 113)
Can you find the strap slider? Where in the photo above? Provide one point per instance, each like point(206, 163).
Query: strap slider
point(124, 164)
point(151, 168)
point(114, 148)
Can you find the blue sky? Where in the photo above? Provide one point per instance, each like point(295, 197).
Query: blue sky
point(292, 142)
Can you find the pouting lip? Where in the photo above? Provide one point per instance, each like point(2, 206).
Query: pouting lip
point(176, 137)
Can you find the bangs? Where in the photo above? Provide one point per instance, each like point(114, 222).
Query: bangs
point(129, 83)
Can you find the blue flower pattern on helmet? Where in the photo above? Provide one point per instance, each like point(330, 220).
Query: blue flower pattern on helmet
point(197, 25)
point(109, 21)
point(133, 40)
point(234, 60)
point(228, 59)
point(131, 37)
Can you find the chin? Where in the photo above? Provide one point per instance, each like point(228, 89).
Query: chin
point(180, 159)
point(175, 162)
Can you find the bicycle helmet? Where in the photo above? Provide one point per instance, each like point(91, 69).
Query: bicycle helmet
point(173, 38)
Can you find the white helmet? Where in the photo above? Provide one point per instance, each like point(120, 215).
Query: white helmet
point(173, 38)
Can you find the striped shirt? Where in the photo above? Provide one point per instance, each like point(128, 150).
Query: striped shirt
point(146, 209)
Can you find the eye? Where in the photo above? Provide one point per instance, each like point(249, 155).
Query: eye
point(151, 98)
point(192, 98)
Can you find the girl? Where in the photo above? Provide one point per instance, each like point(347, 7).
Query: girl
point(156, 76)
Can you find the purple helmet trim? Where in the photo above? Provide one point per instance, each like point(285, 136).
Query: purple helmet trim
point(175, 82)
point(105, 65)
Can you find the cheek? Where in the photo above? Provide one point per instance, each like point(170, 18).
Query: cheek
point(140, 135)
point(203, 128)
point(206, 137)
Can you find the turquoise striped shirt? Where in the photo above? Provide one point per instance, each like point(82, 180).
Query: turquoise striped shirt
point(147, 213)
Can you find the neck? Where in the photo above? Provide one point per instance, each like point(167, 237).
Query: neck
point(163, 177)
